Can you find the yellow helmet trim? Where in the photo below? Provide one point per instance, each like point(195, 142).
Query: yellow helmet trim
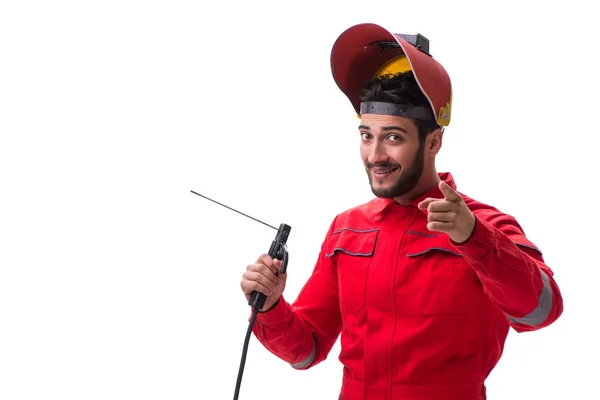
point(395, 65)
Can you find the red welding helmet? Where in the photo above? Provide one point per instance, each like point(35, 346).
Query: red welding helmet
point(365, 51)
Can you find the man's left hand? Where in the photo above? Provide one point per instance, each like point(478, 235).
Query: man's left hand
point(450, 214)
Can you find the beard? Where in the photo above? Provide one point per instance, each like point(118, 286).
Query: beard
point(406, 182)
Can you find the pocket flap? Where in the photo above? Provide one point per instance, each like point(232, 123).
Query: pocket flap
point(354, 242)
point(426, 243)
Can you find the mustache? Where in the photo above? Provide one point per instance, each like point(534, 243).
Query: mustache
point(387, 165)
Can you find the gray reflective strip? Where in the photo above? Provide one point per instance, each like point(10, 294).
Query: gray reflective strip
point(308, 360)
point(543, 309)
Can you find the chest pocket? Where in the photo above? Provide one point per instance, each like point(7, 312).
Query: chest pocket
point(441, 281)
point(352, 251)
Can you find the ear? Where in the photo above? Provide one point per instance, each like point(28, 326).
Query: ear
point(433, 143)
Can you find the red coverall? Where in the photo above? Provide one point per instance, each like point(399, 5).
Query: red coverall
point(420, 317)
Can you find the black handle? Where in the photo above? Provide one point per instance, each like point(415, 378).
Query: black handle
point(277, 251)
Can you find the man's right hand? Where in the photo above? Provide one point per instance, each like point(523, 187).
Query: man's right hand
point(264, 277)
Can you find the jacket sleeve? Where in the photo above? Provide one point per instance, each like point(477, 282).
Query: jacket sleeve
point(512, 271)
point(303, 333)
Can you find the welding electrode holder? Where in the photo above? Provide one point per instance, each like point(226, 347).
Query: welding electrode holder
point(257, 300)
point(277, 251)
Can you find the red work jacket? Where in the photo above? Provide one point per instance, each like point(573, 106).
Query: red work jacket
point(420, 317)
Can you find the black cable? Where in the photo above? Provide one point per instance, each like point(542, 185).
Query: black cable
point(257, 300)
point(244, 352)
point(278, 250)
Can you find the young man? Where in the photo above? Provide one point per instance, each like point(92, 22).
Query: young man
point(422, 282)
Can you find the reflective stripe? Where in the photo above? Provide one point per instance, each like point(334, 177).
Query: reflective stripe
point(543, 309)
point(308, 360)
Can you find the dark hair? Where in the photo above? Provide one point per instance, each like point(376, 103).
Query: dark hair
point(401, 88)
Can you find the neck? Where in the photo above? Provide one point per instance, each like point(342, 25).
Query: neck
point(429, 179)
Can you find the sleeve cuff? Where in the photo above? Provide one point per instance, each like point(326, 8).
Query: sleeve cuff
point(479, 244)
point(276, 314)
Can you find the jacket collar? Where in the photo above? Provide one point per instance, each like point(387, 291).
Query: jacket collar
point(378, 205)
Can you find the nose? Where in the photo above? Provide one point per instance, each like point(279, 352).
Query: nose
point(377, 154)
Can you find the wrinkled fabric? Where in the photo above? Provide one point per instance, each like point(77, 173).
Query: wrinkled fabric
point(420, 317)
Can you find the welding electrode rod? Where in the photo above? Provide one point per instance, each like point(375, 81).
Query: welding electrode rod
point(233, 209)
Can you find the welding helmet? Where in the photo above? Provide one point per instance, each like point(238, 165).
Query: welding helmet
point(366, 51)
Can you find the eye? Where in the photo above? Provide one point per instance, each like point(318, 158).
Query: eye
point(395, 138)
point(365, 136)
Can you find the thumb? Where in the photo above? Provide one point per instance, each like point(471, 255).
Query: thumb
point(278, 264)
point(281, 276)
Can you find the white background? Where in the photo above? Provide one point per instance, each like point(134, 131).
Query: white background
point(116, 282)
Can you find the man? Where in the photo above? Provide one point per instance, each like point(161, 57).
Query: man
point(422, 282)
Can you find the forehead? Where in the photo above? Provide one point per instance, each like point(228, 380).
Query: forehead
point(382, 122)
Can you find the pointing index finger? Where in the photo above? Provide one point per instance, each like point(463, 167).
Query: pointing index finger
point(448, 192)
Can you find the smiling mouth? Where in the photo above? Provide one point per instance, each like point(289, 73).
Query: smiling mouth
point(383, 172)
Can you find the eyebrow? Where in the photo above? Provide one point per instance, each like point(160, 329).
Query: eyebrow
point(386, 128)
